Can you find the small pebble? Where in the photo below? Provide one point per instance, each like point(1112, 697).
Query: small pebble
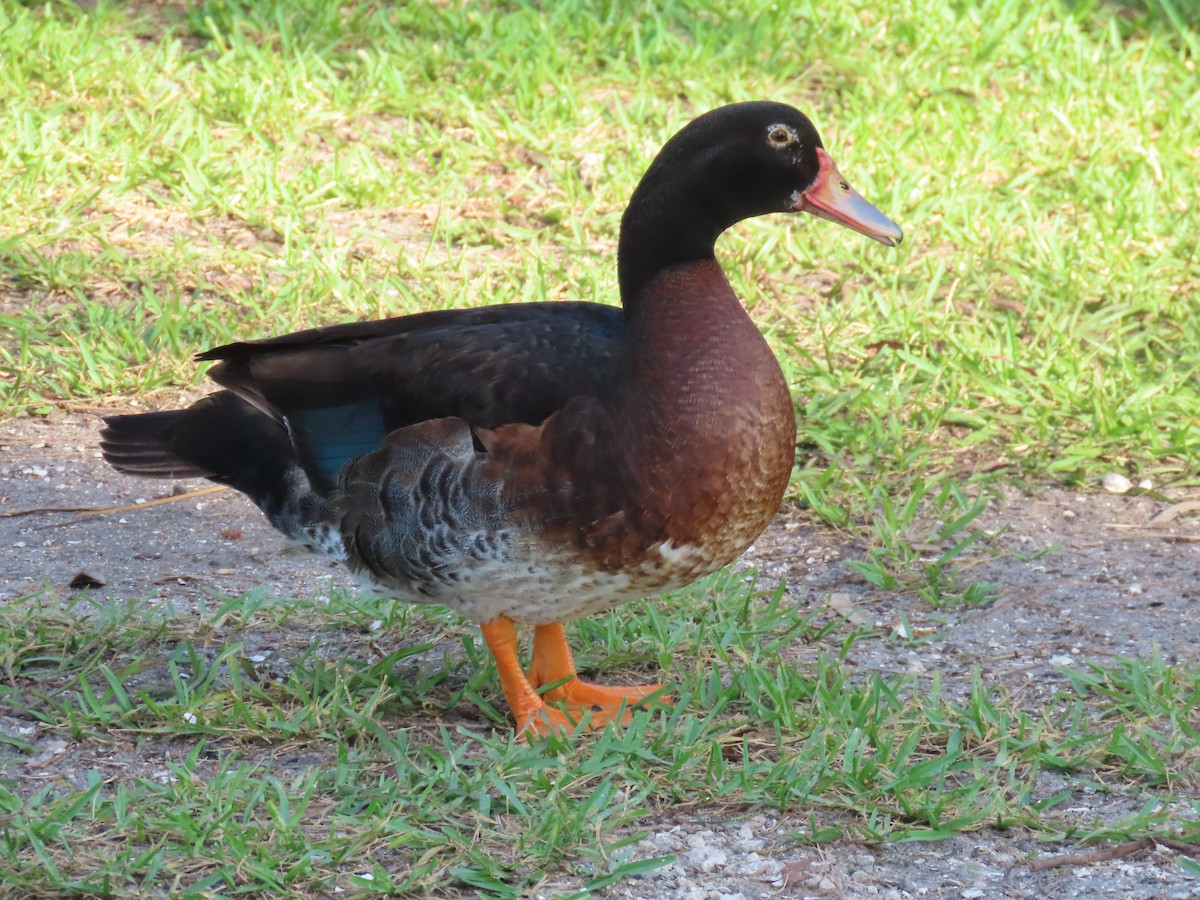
point(665, 841)
point(1116, 483)
point(706, 858)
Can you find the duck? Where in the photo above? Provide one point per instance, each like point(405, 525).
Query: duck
point(528, 464)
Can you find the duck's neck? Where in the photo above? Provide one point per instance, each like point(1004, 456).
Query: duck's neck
point(693, 352)
point(662, 229)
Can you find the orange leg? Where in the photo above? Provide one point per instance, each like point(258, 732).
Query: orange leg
point(530, 711)
point(552, 662)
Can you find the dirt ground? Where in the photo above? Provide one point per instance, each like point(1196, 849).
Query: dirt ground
point(1115, 584)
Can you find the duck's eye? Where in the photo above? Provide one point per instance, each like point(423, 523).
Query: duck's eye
point(780, 135)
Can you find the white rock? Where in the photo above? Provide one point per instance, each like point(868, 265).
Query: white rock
point(706, 859)
point(1116, 483)
point(663, 840)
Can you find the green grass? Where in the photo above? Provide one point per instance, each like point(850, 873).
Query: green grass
point(177, 178)
point(201, 769)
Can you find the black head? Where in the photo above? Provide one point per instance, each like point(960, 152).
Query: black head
point(741, 160)
point(733, 163)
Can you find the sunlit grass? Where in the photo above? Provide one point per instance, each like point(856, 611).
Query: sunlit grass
point(177, 178)
point(298, 166)
point(322, 773)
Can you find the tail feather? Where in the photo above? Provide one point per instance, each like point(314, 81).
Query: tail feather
point(222, 438)
point(141, 445)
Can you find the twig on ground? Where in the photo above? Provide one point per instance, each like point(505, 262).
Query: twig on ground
point(174, 498)
point(13, 513)
point(1104, 854)
point(85, 511)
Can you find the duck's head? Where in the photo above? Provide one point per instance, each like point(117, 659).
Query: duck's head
point(749, 159)
point(734, 163)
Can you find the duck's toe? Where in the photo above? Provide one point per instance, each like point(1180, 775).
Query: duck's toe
point(602, 700)
point(551, 697)
point(578, 703)
point(580, 700)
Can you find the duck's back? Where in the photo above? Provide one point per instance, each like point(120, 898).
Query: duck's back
point(343, 388)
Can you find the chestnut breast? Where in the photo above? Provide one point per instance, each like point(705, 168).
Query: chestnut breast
point(675, 472)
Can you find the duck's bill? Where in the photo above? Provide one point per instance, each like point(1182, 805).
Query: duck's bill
point(832, 198)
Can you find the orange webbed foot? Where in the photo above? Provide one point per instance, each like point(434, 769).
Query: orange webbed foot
point(572, 701)
point(600, 704)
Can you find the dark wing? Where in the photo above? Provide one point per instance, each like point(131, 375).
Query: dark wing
point(342, 389)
